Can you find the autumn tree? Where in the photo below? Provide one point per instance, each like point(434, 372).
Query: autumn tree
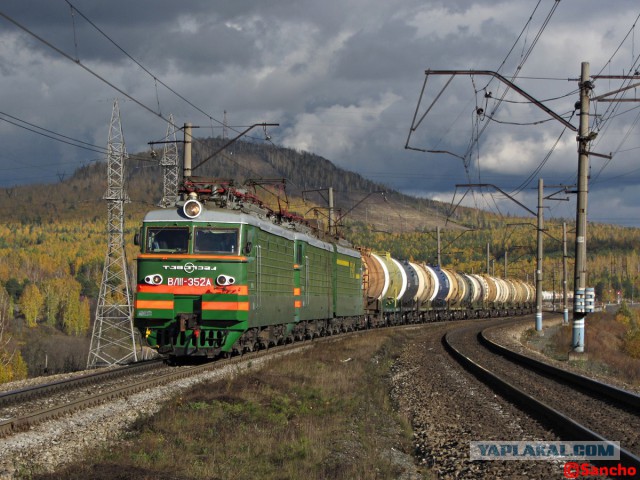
point(75, 311)
point(31, 303)
point(12, 366)
point(54, 293)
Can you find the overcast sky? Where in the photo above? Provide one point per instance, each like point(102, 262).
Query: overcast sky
point(343, 80)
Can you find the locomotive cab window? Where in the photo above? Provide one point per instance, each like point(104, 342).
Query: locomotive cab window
point(167, 240)
point(212, 240)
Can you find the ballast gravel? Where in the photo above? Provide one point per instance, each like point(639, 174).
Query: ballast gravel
point(49, 445)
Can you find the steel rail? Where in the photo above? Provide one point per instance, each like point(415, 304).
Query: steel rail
point(586, 384)
point(543, 412)
point(17, 424)
point(15, 396)
point(12, 425)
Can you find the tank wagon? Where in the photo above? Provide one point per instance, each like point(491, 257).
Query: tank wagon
point(434, 293)
point(221, 273)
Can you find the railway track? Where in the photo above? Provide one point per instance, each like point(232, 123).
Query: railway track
point(24, 408)
point(47, 388)
point(574, 406)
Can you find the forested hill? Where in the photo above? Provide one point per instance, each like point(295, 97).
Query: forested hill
point(40, 218)
point(53, 240)
point(81, 194)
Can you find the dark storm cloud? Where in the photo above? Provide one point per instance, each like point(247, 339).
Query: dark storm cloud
point(155, 33)
point(379, 55)
point(341, 77)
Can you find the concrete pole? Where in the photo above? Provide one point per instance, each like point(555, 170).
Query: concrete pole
point(553, 300)
point(439, 258)
point(505, 263)
point(580, 271)
point(488, 271)
point(539, 262)
point(565, 307)
point(331, 206)
point(187, 151)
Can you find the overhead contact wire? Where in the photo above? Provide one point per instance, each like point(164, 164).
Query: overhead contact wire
point(519, 67)
point(81, 65)
point(156, 79)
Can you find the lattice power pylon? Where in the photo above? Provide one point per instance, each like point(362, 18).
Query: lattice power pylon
point(225, 127)
point(170, 167)
point(113, 340)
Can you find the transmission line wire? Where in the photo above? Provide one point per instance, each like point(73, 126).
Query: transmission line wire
point(92, 72)
point(155, 78)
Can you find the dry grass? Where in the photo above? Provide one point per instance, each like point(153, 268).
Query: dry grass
point(604, 345)
point(324, 414)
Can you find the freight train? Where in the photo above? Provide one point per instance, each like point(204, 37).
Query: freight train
point(221, 273)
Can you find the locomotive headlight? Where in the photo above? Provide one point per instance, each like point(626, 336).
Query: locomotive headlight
point(192, 208)
point(153, 279)
point(225, 280)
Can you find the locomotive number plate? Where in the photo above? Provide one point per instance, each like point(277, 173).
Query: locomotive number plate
point(189, 282)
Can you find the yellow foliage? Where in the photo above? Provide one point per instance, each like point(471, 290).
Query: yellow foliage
point(623, 319)
point(19, 367)
point(632, 343)
point(31, 303)
point(54, 290)
point(631, 340)
point(53, 256)
point(76, 317)
point(6, 374)
point(13, 368)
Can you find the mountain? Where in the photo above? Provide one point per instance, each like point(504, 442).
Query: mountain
point(357, 198)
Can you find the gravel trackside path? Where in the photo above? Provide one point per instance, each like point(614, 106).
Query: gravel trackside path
point(449, 408)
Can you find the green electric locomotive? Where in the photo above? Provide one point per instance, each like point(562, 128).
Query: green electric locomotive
point(221, 273)
point(218, 274)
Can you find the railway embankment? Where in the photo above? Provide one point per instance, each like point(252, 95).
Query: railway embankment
point(320, 413)
point(388, 403)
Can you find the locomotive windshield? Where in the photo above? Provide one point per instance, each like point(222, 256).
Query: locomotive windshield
point(167, 239)
point(211, 240)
